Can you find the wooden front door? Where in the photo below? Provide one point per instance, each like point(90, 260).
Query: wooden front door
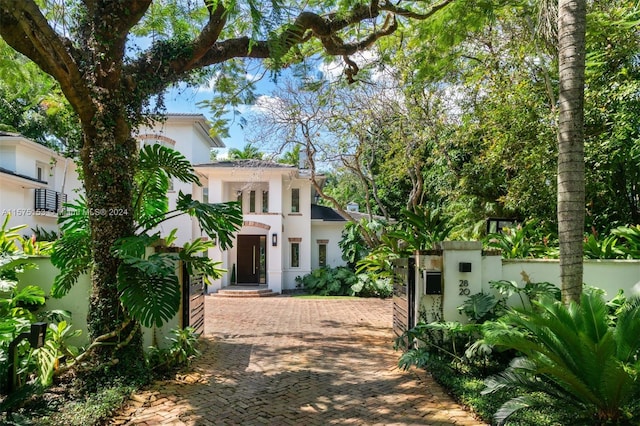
point(251, 259)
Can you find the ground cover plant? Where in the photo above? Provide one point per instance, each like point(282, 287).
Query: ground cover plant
point(541, 363)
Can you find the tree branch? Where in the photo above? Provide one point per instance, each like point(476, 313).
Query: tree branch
point(208, 51)
point(25, 29)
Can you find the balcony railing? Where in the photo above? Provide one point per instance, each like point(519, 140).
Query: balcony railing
point(47, 200)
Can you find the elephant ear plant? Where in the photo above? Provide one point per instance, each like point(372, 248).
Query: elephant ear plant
point(147, 281)
point(584, 356)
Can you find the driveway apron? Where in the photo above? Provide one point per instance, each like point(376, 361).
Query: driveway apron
point(293, 361)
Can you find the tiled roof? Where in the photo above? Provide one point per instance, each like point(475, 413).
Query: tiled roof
point(326, 214)
point(247, 164)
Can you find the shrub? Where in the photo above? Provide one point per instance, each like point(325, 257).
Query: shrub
point(371, 286)
point(180, 353)
point(580, 355)
point(329, 281)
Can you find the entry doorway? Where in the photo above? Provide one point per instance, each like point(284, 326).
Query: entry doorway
point(252, 259)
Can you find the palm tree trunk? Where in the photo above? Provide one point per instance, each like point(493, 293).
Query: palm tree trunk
point(571, 180)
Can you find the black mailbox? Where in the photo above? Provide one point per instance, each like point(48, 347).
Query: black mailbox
point(433, 282)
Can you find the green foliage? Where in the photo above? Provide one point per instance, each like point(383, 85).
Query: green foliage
point(481, 307)
point(602, 248)
point(573, 354)
point(329, 281)
point(182, 350)
point(423, 228)
point(352, 244)
point(630, 236)
point(523, 241)
point(90, 409)
point(158, 164)
point(72, 251)
point(248, 152)
point(147, 281)
point(372, 286)
point(218, 221)
point(148, 285)
point(32, 104)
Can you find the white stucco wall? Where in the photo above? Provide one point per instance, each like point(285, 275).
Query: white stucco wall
point(608, 275)
point(17, 194)
point(332, 233)
point(77, 302)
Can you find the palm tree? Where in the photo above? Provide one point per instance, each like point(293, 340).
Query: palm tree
point(249, 152)
point(572, 16)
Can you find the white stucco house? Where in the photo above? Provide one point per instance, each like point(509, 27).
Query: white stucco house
point(34, 183)
point(284, 234)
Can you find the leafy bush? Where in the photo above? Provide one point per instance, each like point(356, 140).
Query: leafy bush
point(182, 350)
point(352, 244)
point(523, 241)
point(371, 286)
point(579, 355)
point(329, 281)
point(630, 240)
point(18, 308)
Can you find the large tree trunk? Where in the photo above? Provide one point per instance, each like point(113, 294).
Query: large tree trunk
point(109, 158)
point(571, 184)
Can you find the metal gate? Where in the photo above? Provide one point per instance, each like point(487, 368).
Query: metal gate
point(404, 285)
point(192, 301)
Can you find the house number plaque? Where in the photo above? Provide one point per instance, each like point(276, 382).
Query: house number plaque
point(463, 286)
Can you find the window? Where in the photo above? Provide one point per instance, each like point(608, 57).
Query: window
point(322, 255)
point(295, 200)
point(265, 201)
point(239, 198)
point(252, 201)
point(205, 195)
point(295, 255)
point(40, 172)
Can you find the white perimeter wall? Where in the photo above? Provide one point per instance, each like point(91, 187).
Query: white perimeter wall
point(608, 275)
point(77, 302)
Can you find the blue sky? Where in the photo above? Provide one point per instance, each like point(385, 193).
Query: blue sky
point(186, 101)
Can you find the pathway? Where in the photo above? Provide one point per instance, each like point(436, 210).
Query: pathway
point(291, 361)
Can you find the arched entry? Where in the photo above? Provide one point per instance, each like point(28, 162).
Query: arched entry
point(252, 259)
point(251, 255)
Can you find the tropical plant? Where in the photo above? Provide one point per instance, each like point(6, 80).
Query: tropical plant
point(422, 228)
point(147, 282)
point(630, 240)
point(182, 349)
point(574, 354)
point(248, 152)
point(602, 248)
point(372, 286)
point(526, 240)
point(352, 244)
point(329, 281)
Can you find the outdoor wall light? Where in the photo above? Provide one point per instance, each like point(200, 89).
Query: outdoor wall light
point(274, 239)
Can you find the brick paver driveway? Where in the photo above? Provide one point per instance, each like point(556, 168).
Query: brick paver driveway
point(291, 361)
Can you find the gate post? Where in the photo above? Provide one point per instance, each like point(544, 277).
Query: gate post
point(462, 275)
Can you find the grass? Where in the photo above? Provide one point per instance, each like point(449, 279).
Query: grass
point(60, 407)
point(317, 296)
point(466, 389)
